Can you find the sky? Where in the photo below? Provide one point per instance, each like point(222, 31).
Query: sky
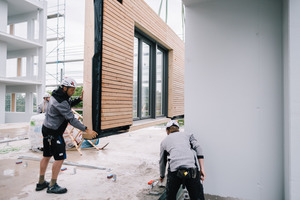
point(74, 32)
point(75, 18)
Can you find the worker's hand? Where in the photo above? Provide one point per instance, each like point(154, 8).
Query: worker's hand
point(202, 174)
point(89, 134)
point(81, 97)
point(161, 179)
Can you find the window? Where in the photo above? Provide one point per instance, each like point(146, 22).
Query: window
point(135, 78)
point(20, 102)
point(159, 83)
point(7, 102)
point(149, 78)
point(145, 80)
point(34, 101)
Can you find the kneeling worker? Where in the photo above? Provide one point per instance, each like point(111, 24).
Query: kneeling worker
point(57, 117)
point(185, 158)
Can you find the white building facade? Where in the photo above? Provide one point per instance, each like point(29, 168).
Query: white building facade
point(242, 95)
point(22, 58)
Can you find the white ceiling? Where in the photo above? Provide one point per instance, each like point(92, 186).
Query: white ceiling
point(16, 7)
point(17, 43)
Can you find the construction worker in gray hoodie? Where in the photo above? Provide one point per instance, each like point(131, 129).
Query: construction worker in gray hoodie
point(43, 106)
point(57, 117)
point(185, 158)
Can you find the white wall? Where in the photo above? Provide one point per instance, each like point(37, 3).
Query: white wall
point(292, 99)
point(234, 95)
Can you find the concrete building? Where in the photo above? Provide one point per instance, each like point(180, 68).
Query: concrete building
point(242, 95)
point(22, 58)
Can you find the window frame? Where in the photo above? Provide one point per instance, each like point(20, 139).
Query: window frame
point(154, 46)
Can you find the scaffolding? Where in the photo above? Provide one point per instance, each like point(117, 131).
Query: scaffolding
point(58, 55)
point(56, 52)
point(182, 36)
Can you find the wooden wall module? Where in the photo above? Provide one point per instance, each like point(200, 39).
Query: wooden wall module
point(119, 22)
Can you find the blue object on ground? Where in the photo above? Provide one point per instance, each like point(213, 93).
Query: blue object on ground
point(86, 144)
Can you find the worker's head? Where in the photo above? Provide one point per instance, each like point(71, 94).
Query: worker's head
point(68, 85)
point(172, 126)
point(46, 96)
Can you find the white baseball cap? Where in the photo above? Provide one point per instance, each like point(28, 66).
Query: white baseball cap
point(172, 123)
point(46, 95)
point(69, 82)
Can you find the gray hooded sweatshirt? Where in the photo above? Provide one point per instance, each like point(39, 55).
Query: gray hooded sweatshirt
point(181, 150)
point(59, 112)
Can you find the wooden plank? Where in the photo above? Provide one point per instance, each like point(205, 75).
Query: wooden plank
point(116, 110)
point(112, 94)
point(120, 87)
point(115, 114)
point(116, 117)
point(123, 77)
point(119, 91)
point(109, 106)
point(118, 73)
point(128, 53)
point(109, 62)
point(117, 83)
point(108, 98)
point(107, 57)
point(116, 69)
point(115, 125)
point(118, 47)
point(111, 122)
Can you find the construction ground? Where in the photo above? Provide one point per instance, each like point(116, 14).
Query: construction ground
point(132, 157)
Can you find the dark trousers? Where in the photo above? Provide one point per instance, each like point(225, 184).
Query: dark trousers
point(193, 186)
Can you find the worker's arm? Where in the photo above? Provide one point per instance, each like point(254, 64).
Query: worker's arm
point(202, 173)
point(195, 145)
point(74, 102)
point(162, 162)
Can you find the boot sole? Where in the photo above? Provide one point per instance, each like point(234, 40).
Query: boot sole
point(62, 192)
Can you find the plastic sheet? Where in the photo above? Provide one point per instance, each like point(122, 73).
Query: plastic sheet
point(36, 137)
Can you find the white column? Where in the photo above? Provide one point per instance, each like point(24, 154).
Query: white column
point(292, 100)
point(28, 104)
point(3, 16)
point(42, 51)
point(30, 36)
point(3, 57)
point(29, 67)
point(30, 29)
point(2, 105)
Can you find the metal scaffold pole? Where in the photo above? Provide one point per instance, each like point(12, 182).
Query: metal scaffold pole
point(55, 67)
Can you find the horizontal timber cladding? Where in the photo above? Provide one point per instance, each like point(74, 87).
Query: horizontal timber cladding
point(119, 23)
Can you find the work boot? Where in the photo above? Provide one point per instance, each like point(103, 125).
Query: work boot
point(56, 189)
point(42, 186)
